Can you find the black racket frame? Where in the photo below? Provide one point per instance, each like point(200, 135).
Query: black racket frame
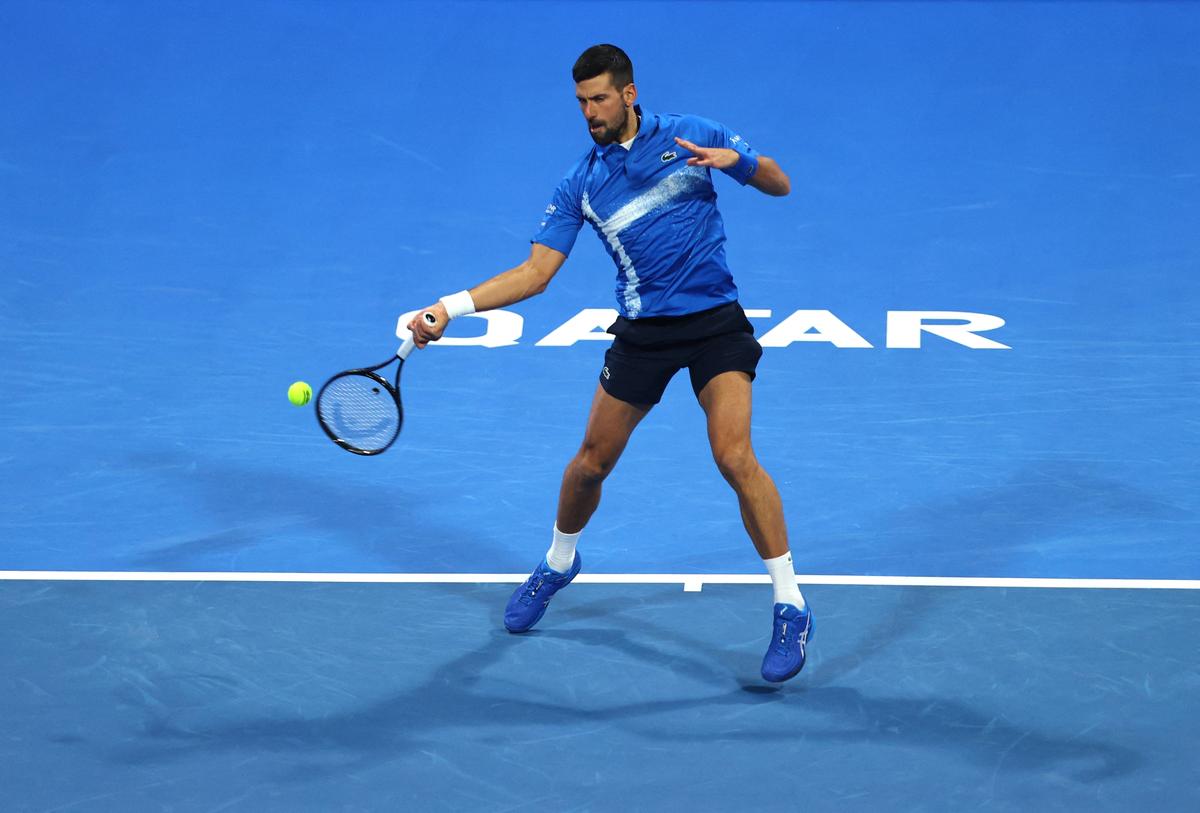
point(392, 389)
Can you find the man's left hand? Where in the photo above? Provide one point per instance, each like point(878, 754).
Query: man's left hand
point(715, 157)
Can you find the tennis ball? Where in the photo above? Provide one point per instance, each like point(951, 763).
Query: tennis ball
point(299, 393)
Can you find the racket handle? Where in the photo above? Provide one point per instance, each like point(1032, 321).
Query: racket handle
point(407, 348)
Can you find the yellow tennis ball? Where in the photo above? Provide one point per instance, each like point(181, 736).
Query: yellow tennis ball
point(299, 393)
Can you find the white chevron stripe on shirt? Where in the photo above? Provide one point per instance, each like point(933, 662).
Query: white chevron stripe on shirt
point(633, 301)
point(662, 193)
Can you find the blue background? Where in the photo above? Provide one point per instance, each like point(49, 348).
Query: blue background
point(200, 204)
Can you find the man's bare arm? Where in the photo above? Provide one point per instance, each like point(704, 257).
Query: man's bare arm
point(528, 279)
point(769, 178)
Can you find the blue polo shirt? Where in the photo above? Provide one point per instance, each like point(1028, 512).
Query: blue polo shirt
point(656, 216)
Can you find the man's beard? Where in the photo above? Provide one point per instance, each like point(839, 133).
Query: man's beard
point(610, 135)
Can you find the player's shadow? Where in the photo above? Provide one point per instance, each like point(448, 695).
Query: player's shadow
point(958, 730)
point(486, 691)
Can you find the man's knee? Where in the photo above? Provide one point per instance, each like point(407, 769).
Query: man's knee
point(592, 464)
point(736, 462)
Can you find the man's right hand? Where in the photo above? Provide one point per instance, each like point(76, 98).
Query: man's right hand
point(423, 333)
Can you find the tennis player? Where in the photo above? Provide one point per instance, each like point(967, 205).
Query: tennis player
point(646, 188)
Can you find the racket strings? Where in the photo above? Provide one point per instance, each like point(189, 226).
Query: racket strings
point(360, 412)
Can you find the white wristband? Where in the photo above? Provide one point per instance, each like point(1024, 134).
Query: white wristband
point(459, 304)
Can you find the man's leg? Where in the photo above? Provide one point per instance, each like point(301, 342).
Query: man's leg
point(726, 399)
point(608, 429)
point(609, 426)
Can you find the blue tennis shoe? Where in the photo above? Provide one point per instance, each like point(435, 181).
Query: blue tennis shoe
point(789, 642)
point(528, 602)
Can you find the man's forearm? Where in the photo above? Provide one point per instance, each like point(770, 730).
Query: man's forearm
point(514, 285)
point(769, 178)
point(525, 280)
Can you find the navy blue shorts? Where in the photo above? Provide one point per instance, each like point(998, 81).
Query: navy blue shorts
point(647, 352)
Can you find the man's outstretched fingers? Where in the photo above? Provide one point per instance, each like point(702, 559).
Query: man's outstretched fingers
point(701, 156)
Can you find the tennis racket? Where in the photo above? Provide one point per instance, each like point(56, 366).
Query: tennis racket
point(360, 410)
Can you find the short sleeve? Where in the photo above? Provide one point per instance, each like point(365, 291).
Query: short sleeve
point(718, 135)
point(562, 219)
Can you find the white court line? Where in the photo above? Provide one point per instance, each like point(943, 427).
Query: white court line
point(692, 582)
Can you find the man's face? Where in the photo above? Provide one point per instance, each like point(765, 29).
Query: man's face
point(604, 107)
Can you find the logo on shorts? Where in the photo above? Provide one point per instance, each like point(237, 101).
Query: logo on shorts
point(669, 155)
point(604, 373)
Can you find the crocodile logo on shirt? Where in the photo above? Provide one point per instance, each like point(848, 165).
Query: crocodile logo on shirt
point(669, 155)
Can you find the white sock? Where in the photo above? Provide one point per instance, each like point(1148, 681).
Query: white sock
point(561, 555)
point(783, 577)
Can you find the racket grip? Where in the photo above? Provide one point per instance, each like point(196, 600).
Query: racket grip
point(407, 348)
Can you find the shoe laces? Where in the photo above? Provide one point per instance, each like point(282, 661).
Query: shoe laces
point(782, 643)
point(532, 585)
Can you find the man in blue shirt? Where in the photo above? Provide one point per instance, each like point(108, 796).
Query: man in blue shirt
point(646, 189)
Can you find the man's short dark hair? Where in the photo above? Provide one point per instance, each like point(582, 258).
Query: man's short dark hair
point(602, 59)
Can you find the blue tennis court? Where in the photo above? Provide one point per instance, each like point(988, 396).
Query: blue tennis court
point(978, 309)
